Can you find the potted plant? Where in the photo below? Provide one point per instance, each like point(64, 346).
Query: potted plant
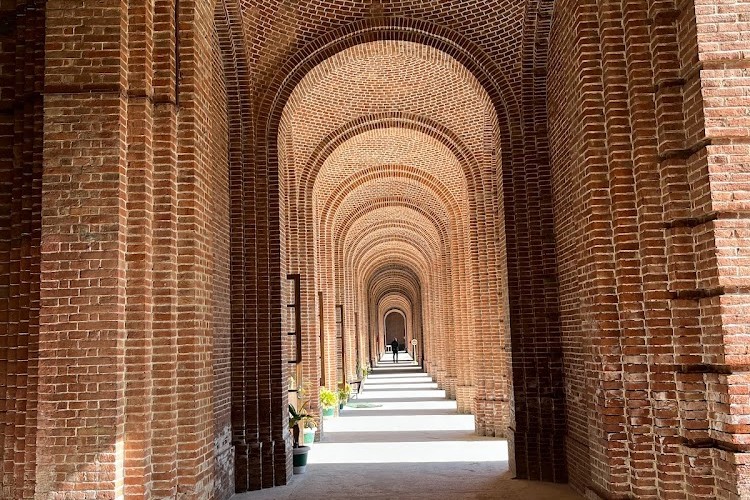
point(327, 401)
point(344, 392)
point(296, 417)
point(309, 428)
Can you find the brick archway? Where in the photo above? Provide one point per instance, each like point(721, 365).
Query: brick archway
point(361, 165)
point(490, 80)
point(399, 334)
point(586, 25)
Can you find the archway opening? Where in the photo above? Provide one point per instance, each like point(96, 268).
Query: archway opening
point(395, 328)
point(393, 179)
point(468, 283)
point(385, 210)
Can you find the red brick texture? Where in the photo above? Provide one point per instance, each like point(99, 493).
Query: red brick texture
point(648, 139)
point(21, 109)
point(539, 384)
point(134, 319)
point(552, 194)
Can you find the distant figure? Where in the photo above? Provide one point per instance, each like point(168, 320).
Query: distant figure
point(394, 347)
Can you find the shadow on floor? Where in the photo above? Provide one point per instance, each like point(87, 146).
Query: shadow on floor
point(410, 481)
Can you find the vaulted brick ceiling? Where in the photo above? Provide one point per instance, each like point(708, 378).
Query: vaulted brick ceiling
point(274, 30)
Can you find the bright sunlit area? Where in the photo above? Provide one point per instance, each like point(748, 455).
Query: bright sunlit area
point(417, 452)
point(403, 418)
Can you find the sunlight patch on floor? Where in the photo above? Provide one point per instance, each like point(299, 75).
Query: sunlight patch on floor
point(413, 394)
point(399, 423)
point(402, 405)
point(414, 452)
point(406, 433)
point(398, 385)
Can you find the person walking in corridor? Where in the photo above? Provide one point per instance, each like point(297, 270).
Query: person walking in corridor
point(394, 348)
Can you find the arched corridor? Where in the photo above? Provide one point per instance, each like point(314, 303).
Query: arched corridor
point(210, 209)
point(388, 210)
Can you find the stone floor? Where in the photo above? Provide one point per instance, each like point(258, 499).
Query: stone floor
point(401, 438)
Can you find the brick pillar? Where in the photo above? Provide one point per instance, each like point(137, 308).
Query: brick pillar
point(259, 383)
point(139, 256)
point(132, 167)
point(680, 426)
point(601, 333)
point(194, 259)
point(244, 405)
point(537, 421)
point(719, 141)
point(84, 236)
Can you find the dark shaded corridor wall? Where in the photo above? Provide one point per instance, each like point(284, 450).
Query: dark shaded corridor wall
point(21, 108)
point(395, 328)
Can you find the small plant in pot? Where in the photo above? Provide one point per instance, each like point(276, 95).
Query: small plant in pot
point(344, 393)
point(309, 428)
point(327, 401)
point(296, 417)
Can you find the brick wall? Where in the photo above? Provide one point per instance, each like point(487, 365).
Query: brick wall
point(133, 351)
point(136, 241)
point(555, 189)
point(650, 274)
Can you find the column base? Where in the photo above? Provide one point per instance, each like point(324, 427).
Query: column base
point(440, 378)
point(465, 399)
point(492, 417)
point(261, 464)
point(450, 387)
point(224, 483)
point(537, 456)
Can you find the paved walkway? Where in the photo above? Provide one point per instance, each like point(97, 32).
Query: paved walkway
point(401, 438)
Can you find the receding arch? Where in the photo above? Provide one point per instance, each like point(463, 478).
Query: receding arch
point(395, 330)
point(331, 184)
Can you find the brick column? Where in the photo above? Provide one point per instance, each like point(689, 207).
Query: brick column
point(719, 138)
point(130, 233)
point(84, 236)
point(538, 410)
